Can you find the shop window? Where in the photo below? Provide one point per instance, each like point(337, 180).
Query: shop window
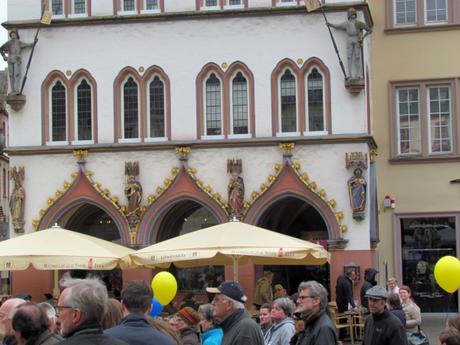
point(424, 240)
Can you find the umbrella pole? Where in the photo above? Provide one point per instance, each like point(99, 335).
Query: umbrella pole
point(56, 284)
point(235, 266)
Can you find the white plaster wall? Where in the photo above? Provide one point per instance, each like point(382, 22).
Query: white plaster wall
point(102, 8)
point(179, 5)
point(324, 164)
point(19, 10)
point(182, 48)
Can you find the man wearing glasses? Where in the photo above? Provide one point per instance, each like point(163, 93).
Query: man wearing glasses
point(311, 306)
point(80, 309)
point(229, 313)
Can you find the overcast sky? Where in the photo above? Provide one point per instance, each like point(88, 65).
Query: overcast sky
point(3, 32)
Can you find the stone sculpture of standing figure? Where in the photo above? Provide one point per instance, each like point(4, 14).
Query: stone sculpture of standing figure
point(235, 187)
point(11, 53)
point(357, 187)
point(356, 31)
point(17, 199)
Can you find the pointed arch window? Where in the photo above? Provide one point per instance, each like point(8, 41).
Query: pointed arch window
point(130, 109)
point(240, 122)
point(288, 102)
point(58, 112)
point(157, 108)
point(315, 102)
point(213, 122)
point(84, 111)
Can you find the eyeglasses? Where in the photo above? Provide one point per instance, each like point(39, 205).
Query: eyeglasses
point(59, 308)
point(305, 297)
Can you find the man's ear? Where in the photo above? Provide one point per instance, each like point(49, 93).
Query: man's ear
point(124, 310)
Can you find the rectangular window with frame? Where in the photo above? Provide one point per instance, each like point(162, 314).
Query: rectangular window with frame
point(424, 240)
point(424, 119)
point(79, 6)
point(405, 12)
point(440, 119)
point(151, 5)
point(436, 11)
point(57, 7)
point(408, 108)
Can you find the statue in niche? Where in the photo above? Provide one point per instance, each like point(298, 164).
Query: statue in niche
point(235, 187)
point(357, 187)
point(356, 31)
point(133, 192)
point(11, 53)
point(17, 199)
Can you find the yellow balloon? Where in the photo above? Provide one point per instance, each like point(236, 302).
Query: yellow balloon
point(447, 273)
point(164, 287)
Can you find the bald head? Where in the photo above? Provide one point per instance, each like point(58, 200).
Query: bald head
point(7, 311)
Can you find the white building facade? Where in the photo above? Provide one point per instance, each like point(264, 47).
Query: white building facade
point(187, 92)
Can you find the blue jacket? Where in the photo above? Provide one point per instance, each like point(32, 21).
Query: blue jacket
point(212, 336)
point(136, 330)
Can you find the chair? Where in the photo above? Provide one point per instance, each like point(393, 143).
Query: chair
point(358, 326)
point(341, 320)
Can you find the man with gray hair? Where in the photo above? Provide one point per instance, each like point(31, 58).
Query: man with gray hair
point(282, 330)
point(51, 314)
point(238, 326)
point(80, 309)
point(311, 306)
point(7, 311)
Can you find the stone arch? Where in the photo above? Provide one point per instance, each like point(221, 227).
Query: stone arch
point(184, 187)
point(82, 192)
point(288, 184)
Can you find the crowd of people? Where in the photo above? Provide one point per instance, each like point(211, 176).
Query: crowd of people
point(84, 314)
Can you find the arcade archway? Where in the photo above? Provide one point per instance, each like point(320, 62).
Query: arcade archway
point(184, 217)
point(297, 218)
point(94, 221)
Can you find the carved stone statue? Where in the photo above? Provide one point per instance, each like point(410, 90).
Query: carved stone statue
point(11, 53)
point(17, 199)
point(356, 31)
point(235, 187)
point(133, 192)
point(357, 188)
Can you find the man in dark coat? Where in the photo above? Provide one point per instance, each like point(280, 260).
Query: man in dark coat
point(311, 306)
point(136, 302)
point(229, 313)
point(369, 281)
point(80, 309)
point(382, 327)
point(344, 291)
point(31, 325)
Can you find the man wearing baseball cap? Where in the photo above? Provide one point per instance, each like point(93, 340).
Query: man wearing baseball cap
point(229, 312)
point(382, 327)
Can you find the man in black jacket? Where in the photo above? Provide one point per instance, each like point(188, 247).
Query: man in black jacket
point(382, 327)
point(80, 309)
point(238, 326)
point(311, 306)
point(136, 302)
point(344, 291)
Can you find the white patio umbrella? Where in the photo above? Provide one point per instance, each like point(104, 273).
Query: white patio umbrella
point(231, 243)
point(60, 249)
